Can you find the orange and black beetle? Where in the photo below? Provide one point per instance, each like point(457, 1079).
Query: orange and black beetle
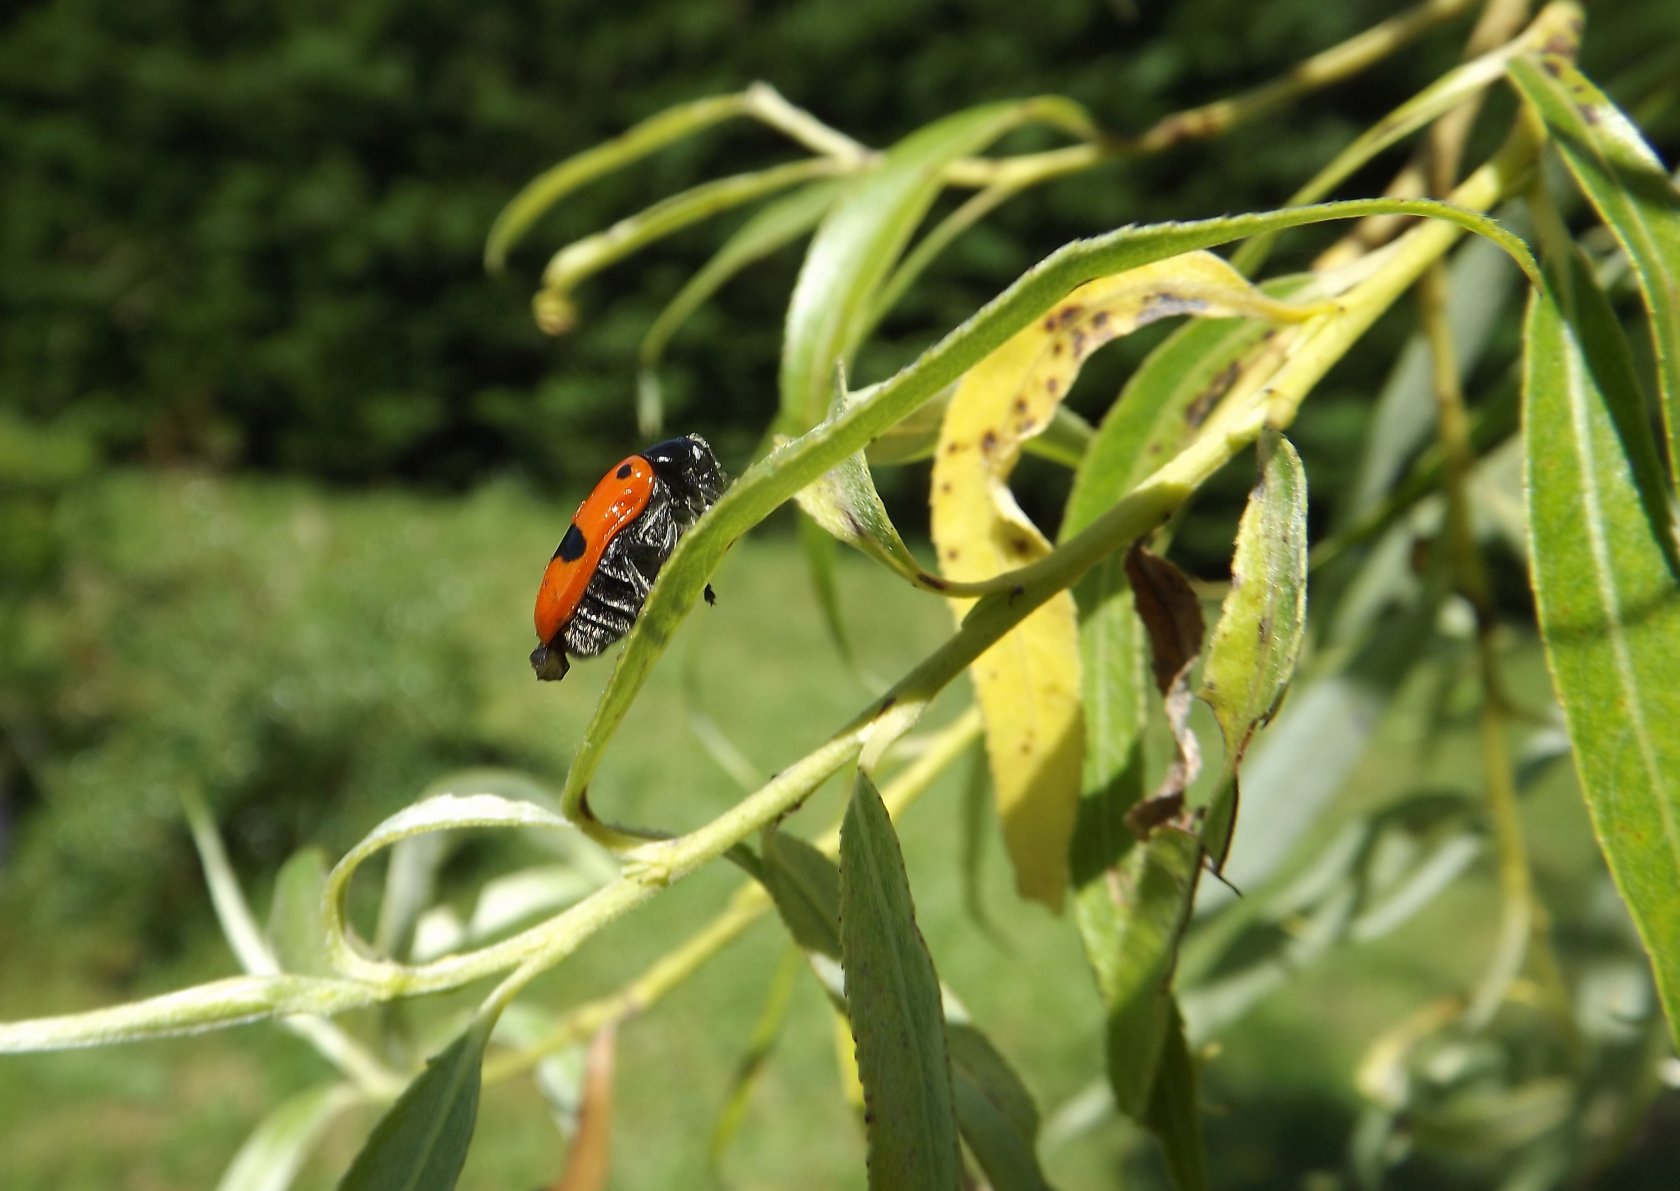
point(622, 534)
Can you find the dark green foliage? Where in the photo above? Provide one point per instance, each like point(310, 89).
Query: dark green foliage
point(239, 233)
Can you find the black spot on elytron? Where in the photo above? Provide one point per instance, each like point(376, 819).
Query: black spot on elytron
point(624, 472)
point(572, 545)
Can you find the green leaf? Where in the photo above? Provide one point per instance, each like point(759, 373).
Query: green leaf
point(865, 233)
point(1633, 194)
point(294, 916)
point(774, 226)
point(995, 1114)
point(420, 1144)
point(1258, 637)
point(892, 999)
point(998, 1117)
point(805, 887)
point(548, 188)
point(585, 257)
point(1152, 891)
point(1174, 1116)
point(765, 486)
point(270, 1158)
point(1604, 563)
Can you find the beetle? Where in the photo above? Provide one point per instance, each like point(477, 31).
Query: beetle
point(625, 529)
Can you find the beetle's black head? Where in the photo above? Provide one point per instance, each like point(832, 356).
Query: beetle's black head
point(690, 470)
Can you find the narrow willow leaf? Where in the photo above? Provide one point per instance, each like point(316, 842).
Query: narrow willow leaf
point(589, 1158)
point(270, 1158)
point(548, 188)
point(770, 229)
point(1452, 89)
point(1155, 414)
point(845, 503)
point(805, 887)
point(863, 236)
point(1174, 1115)
point(1633, 194)
point(766, 1032)
point(976, 790)
point(1151, 891)
point(1028, 683)
point(1479, 290)
point(995, 1114)
point(1258, 637)
point(294, 916)
point(420, 1144)
point(778, 224)
point(999, 1119)
point(892, 1000)
point(1604, 562)
point(784, 471)
point(588, 256)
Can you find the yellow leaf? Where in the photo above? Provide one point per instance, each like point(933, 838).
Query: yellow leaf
point(1028, 683)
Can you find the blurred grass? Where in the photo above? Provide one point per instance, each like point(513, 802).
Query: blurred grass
point(311, 659)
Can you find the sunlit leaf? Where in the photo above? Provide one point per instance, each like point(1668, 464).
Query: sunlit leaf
point(420, 1144)
point(548, 188)
point(1028, 683)
point(765, 486)
point(585, 257)
point(1606, 572)
point(1258, 636)
point(892, 1000)
point(778, 224)
point(1633, 194)
point(998, 1117)
point(1175, 1116)
point(805, 886)
point(862, 237)
point(270, 1158)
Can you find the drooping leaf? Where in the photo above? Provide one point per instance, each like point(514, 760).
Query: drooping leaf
point(793, 465)
point(778, 224)
point(588, 1159)
point(420, 1144)
point(805, 887)
point(892, 1000)
point(994, 1112)
point(654, 133)
point(270, 1158)
point(1603, 555)
point(1028, 683)
point(1175, 1116)
point(1258, 636)
point(1633, 194)
point(1151, 890)
point(864, 234)
point(998, 1117)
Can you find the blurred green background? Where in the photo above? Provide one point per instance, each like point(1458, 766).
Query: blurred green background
point(280, 465)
